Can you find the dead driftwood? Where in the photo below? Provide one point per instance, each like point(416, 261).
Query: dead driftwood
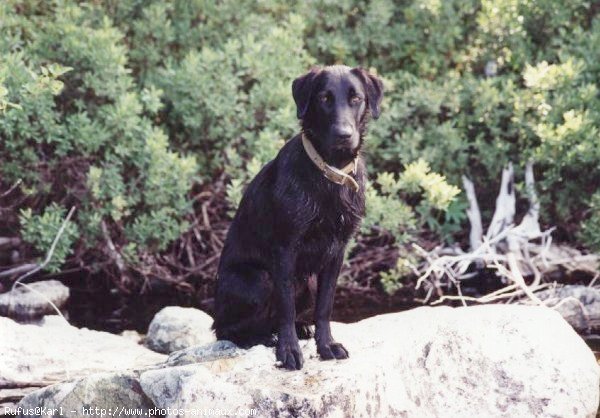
point(522, 255)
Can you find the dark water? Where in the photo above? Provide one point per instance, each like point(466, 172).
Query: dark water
point(94, 303)
point(100, 307)
point(593, 341)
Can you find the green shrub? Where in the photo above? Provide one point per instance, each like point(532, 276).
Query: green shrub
point(79, 131)
point(235, 94)
point(120, 107)
point(590, 230)
point(42, 230)
point(403, 205)
point(387, 206)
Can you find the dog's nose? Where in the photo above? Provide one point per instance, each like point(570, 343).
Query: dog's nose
point(343, 131)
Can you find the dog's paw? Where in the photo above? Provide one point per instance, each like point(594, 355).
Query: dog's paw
point(332, 351)
point(290, 355)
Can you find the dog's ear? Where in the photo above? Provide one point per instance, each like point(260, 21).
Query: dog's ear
point(302, 89)
point(373, 88)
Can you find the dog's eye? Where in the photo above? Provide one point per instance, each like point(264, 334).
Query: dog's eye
point(325, 98)
point(355, 100)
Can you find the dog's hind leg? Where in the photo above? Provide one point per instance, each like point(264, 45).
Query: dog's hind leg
point(243, 307)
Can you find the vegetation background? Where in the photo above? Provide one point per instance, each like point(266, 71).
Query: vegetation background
point(150, 116)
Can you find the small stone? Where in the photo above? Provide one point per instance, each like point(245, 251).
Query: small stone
point(175, 328)
point(199, 354)
point(132, 335)
point(34, 299)
point(579, 305)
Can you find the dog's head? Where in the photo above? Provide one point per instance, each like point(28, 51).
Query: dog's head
point(334, 104)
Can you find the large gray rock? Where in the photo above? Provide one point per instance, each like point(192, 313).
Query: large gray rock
point(579, 305)
point(492, 361)
point(33, 301)
point(53, 351)
point(175, 328)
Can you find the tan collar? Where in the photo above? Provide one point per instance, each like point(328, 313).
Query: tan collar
point(336, 175)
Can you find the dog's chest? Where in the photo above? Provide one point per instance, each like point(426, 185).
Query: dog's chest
point(336, 221)
point(337, 226)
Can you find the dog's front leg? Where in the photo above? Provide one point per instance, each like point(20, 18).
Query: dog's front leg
point(326, 346)
point(288, 349)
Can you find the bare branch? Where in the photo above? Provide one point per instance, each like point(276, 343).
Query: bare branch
point(115, 255)
point(529, 253)
point(13, 187)
point(504, 214)
point(23, 268)
point(50, 251)
point(474, 214)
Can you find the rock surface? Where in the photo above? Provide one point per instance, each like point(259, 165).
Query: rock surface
point(579, 305)
point(33, 300)
point(175, 328)
point(482, 361)
point(492, 361)
point(119, 394)
point(38, 355)
point(203, 353)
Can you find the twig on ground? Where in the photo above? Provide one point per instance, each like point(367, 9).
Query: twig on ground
point(23, 268)
point(514, 251)
point(515, 275)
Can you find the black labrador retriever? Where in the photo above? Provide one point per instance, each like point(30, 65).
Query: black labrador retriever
point(295, 220)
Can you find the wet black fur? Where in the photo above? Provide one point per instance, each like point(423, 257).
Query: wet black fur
point(293, 223)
